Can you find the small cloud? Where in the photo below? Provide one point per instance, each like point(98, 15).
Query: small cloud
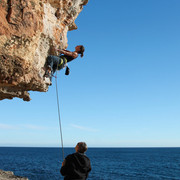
point(21, 126)
point(33, 127)
point(8, 127)
point(83, 128)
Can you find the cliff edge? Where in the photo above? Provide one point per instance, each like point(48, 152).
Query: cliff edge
point(30, 30)
point(8, 175)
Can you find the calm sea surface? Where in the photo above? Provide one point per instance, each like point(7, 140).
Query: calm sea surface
point(107, 163)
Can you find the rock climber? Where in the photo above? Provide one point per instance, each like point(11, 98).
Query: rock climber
point(59, 62)
point(77, 165)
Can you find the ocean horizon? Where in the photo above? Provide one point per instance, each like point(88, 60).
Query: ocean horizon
point(89, 146)
point(39, 163)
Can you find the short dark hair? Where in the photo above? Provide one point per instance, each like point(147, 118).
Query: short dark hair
point(82, 147)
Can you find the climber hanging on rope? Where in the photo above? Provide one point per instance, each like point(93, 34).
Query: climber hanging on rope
point(59, 62)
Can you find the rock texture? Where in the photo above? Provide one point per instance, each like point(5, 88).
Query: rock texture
point(8, 175)
point(30, 30)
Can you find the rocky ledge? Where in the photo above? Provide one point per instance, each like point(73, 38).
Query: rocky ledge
point(8, 175)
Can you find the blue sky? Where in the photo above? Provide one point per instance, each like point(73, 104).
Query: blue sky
point(125, 92)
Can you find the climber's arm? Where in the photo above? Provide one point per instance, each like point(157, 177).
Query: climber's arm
point(69, 53)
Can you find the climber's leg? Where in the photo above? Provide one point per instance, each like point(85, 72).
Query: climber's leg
point(56, 61)
point(52, 63)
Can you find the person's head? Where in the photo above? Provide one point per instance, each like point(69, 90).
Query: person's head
point(81, 147)
point(80, 50)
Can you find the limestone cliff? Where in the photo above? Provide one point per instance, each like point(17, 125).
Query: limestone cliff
point(30, 30)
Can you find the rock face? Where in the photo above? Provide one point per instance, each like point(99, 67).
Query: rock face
point(30, 30)
point(8, 175)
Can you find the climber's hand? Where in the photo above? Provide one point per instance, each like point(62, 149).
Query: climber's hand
point(61, 51)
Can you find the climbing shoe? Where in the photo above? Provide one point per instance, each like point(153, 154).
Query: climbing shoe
point(48, 72)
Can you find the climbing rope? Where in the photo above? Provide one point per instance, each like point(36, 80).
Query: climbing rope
point(59, 117)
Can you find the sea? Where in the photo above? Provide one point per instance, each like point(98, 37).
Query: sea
point(107, 163)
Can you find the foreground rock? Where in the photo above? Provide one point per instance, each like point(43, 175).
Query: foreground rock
point(8, 175)
point(29, 32)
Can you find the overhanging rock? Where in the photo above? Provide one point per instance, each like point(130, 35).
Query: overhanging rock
point(29, 32)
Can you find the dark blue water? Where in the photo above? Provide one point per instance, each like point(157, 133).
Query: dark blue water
point(107, 163)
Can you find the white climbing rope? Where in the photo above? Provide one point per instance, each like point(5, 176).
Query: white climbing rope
point(60, 126)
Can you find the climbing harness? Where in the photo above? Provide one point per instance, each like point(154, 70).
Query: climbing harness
point(63, 62)
point(60, 126)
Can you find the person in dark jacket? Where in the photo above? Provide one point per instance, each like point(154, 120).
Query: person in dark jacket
point(59, 62)
point(76, 166)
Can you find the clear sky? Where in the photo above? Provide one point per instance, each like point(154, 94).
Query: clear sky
point(125, 92)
